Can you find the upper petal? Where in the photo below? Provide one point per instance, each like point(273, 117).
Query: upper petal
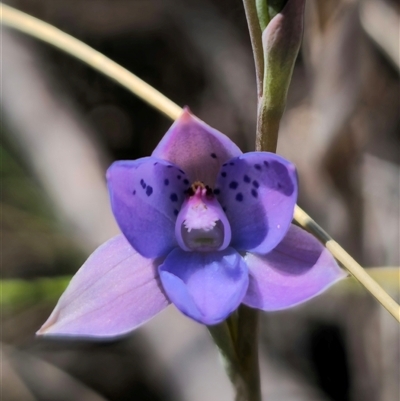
point(298, 269)
point(196, 148)
point(258, 192)
point(206, 286)
point(146, 195)
point(115, 291)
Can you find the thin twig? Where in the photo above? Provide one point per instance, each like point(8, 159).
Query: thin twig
point(50, 34)
point(70, 45)
point(348, 262)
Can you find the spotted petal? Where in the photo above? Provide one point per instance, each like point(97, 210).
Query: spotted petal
point(115, 291)
point(298, 269)
point(258, 191)
point(146, 195)
point(206, 286)
point(196, 148)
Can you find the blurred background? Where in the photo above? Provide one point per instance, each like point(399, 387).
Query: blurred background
point(63, 124)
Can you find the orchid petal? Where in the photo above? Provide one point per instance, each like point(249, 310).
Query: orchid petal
point(258, 192)
point(196, 148)
point(298, 269)
point(206, 286)
point(146, 196)
point(115, 291)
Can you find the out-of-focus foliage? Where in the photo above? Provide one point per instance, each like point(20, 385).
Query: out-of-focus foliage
point(33, 242)
point(17, 293)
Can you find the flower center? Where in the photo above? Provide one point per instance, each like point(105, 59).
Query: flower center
point(202, 224)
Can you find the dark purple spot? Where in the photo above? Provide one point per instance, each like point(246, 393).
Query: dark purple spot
point(233, 185)
point(134, 192)
point(256, 184)
point(149, 190)
point(231, 164)
point(223, 174)
point(176, 212)
point(225, 164)
point(170, 166)
point(254, 193)
point(280, 179)
point(178, 177)
point(217, 191)
point(239, 197)
point(186, 182)
point(143, 184)
point(224, 209)
point(257, 167)
point(155, 163)
point(266, 164)
point(213, 155)
point(246, 178)
point(181, 171)
point(166, 181)
point(174, 197)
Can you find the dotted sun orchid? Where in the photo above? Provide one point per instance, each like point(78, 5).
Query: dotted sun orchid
point(204, 227)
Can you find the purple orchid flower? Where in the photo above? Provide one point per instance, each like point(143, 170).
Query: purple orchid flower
point(205, 227)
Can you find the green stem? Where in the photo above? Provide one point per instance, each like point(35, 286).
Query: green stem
point(263, 14)
point(222, 336)
point(281, 43)
point(237, 340)
point(256, 42)
point(259, 14)
point(268, 121)
point(275, 7)
point(267, 9)
point(247, 350)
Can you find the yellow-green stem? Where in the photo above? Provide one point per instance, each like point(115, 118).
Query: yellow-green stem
point(256, 42)
point(348, 262)
point(52, 35)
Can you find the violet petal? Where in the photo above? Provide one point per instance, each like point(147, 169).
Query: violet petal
point(196, 148)
point(206, 286)
point(298, 269)
point(146, 196)
point(115, 291)
point(258, 192)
